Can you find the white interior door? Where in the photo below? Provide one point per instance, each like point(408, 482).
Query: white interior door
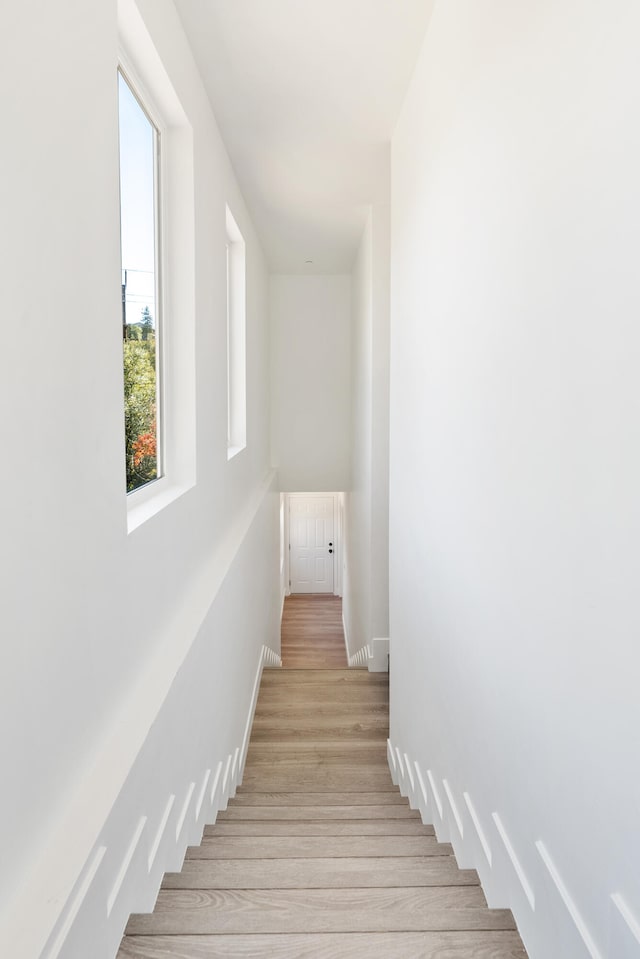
point(311, 543)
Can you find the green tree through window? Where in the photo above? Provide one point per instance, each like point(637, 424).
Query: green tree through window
point(139, 150)
point(140, 404)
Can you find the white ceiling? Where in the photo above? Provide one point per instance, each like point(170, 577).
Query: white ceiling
point(306, 94)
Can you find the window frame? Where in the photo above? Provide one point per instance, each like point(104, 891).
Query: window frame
point(236, 287)
point(142, 65)
point(154, 116)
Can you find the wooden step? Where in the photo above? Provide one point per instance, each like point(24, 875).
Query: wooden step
point(309, 813)
point(319, 777)
point(360, 872)
point(284, 757)
point(302, 847)
point(294, 730)
point(318, 856)
point(344, 694)
point(400, 945)
point(348, 712)
point(314, 656)
point(312, 633)
point(353, 753)
point(330, 827)
point(298, 798)
point(202, 912)
point(322, 677)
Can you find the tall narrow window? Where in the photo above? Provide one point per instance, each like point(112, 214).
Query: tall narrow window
point(236, 335)
point(141, 307)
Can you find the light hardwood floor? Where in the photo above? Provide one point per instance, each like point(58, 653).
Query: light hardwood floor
point(312, 634)
point(318, 856)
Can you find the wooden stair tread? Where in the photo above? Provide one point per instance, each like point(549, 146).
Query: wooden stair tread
point(266, 713)
point(299, 798)
point(354, 752)
point(297, 847)
point(318, 856)
point(310, 677)
point(310, 813)
point(294, 732)
point(332, 873)
point(180, 912)
point(399, 945)
point(312, 633)
point(348, 694)
point(310, 762)
point(319, 778)
point(330, 827)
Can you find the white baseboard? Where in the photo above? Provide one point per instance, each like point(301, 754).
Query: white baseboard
point(285, 593)
point(31, 922)
point(547, 916)
point(270, 657)
point(113, 885)
point(624, 930)
point(379, 658)
point(361, 658)
point(374, 656)
point(76, 902)
point(267, 658)
point(346, 636)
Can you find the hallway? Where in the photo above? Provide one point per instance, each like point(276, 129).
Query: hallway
point(318, 855)
point(312, 636)
point(383, 251)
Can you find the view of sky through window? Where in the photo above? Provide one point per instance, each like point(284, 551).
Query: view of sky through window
point(137, 205)
point(138, 226)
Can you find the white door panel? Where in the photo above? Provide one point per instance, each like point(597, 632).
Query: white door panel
point(311, 544)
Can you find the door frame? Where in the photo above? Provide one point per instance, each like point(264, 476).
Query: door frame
point(337, 538)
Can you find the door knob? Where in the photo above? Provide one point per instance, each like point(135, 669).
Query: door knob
point(331, 551)
point(330, 544)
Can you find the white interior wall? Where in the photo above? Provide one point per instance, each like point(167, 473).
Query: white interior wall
point(97, 623)
point(380, 282)
point(515, 466)
point(358, 565)
point(310, 396)
point(366, 593)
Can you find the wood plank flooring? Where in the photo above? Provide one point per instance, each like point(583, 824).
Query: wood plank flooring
point(312, 636)
point(318, 856)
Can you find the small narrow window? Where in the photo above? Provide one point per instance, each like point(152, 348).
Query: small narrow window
point(236, 336)
point(141, 307)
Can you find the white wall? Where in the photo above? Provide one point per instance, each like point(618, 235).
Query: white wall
point(366, 593)
point(515, 466)
point(97, 624)
point(381, 242)
point(310, 350)
point(358, 558)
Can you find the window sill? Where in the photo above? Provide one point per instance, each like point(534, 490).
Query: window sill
point(145, 503)
point(234, 450)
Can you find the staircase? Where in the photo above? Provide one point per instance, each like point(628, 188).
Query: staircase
point(318, 856)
